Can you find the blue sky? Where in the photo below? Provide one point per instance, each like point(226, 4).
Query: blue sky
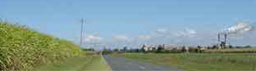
point(127, 21)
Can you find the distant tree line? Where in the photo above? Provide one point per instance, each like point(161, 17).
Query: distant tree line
point(161, 49)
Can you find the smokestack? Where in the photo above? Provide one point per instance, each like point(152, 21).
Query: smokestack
point(218, 37)
point(225, 37)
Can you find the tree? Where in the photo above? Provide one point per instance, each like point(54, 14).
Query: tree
point(199, 49)
point(248, 46)
point(183, 49)
point(116, 50)
point(125, 49)
point(143, 48)
point(214, 47)
point(137, 50)
point(230, 46)
point(160, 49)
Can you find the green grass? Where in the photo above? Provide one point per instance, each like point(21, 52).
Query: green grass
point(241, 50)
point(88, 63)
point(22, 48)
point(201, 62)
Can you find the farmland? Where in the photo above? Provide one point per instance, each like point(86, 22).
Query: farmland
point(240, 50)
point(199, 61)
point(21, 48)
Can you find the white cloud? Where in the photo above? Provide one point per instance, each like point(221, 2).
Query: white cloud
point(161, 31)
point(190, 31)
point(144, 37)
point(187, 32)
point(92, 38)
point(120, 38)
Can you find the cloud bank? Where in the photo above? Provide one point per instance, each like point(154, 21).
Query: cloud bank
point(92, 39)
point(120, 38)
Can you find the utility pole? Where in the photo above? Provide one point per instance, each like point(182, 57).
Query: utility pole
point(82, 30)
